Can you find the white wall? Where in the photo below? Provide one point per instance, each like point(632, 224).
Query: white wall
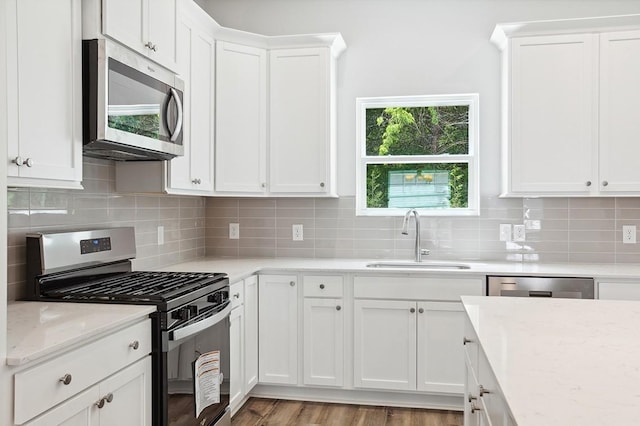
point(410, 47)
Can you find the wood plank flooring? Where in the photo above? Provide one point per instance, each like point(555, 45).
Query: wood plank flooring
point(259, 411)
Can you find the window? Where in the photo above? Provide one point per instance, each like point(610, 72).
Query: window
point(417, 152)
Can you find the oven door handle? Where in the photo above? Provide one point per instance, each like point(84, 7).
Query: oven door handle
point(190, 330)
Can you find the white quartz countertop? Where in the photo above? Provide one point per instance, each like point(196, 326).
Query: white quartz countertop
point(562, 361)
point(37, 329)
point(238, 269)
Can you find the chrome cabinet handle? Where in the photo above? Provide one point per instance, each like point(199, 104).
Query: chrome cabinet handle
point(66, 379)
point(338, 307)
point(605, 183)
point(412, 310)
point(482, 390)
point(19, 161)
point(196, 181)
point(134, 345)
point(421, 311)
point(263, 185)
point(109, 397)
point(321, 286)
point(472, 398)
point(474, 408)
point(100, 403)
point(237, 295)
point(321, 184)
point(292, 283)
point(588, 183)
point(151, 46)
point(465, 340)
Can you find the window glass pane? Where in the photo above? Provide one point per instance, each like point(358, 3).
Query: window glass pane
point(427, 186)
point(428, 130)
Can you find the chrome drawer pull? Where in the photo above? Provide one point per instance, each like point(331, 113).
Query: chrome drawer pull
point(465, 340)
point(482, 390)
point(412, 310)
point(66, 379)
point(237, 295)
point(292, 283)
point(474, 408)
point(338, 307)
point(134, 345)
point(321, 286)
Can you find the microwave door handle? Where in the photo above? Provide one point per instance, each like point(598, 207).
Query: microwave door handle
point(190, 330)
point(176, 130)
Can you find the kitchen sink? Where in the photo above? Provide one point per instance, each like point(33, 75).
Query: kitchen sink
point(417, 265)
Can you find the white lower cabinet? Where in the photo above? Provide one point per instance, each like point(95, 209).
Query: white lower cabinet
point(323, 341)
point(105, 382)
point(619, 290)
point(484, 403)
point(278, 329)
point(410, 344)
point(244, 340)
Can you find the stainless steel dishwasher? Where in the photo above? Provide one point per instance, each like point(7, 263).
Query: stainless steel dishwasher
point(563, 287)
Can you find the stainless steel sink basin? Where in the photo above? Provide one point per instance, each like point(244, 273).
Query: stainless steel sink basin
point(416, 265)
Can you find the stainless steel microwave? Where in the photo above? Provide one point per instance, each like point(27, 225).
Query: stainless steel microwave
point(132, 108)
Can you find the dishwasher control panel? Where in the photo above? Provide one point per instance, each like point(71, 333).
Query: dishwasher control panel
point(540, 286)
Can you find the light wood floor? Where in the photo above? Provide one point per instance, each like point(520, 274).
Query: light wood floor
point(258, 411)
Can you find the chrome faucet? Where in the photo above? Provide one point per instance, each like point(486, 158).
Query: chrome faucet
point(405, 231)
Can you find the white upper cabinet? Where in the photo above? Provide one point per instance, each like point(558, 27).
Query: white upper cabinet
point(301, 140)
point(241, 119)
point(619, 123)
point(568, 126)
point(44, 93)
point(146, 26)
point(193, 172)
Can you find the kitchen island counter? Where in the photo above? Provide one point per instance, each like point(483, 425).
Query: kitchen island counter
point(562, 361)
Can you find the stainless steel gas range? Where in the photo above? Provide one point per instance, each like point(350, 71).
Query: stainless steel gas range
point(189, 329)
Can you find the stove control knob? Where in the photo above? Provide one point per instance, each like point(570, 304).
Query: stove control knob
point(185, 313)
point(218, 298)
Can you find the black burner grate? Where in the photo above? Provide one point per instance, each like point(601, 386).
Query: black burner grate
point(149, 287)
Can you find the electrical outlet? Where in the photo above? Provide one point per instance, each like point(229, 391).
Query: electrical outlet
point(160, 235)
point(519, 233)
point(629, 234)
point(296, 230)
point(234, 231)
point(505, 232)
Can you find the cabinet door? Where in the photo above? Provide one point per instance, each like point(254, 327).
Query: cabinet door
point(384, 344)
point(45, 93)
point(124, 20)
point(619, 291)
point(241, 118)
point(161, 27)
point(440, 349)
point(250, 333)
point(553, 114)
point(619, 124)
point(193, 172)
point(130, 391)
point(323, 342)
point(471, 401)
point(300, 134)
point(79, 410)
point(236, 355)
point(278, 329)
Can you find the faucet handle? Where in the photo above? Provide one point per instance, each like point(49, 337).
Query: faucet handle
point(425, 252)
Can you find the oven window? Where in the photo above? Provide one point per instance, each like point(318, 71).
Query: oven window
point(180, 378)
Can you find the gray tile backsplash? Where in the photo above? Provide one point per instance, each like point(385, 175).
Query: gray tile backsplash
point(558, 229)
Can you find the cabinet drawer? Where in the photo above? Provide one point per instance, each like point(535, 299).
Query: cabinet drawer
point(419, 288)
point(322, 286)
point(41, 387)
point(236, 293)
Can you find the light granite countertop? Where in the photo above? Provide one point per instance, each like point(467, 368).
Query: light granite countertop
point(238, 269)
point(37, 329)
point(562, 361)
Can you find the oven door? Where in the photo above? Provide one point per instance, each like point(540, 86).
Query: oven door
point(191, 383)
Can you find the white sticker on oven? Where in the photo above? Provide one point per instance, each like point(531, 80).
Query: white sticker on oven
point(207, 382)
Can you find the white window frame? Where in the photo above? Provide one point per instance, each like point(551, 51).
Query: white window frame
point(472, 158)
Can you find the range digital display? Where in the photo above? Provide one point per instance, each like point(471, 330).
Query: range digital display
point(95, 245)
